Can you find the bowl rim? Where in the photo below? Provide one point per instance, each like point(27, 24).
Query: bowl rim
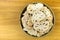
point(47, 7)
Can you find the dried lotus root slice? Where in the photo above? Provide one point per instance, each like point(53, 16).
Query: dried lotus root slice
point(26, 13)
point(26, 22)
point(42, 26)
point(29, 23)
point(47, 13)
point(45, 26)
point(32, 32)
point(34, 6)
point(25, 29)
point(36, 26)
point(38, 16)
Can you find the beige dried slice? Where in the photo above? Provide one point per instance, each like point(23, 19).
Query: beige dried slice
point(37, 16)
point(48, 13)
point(32, 32)
point(29, 23)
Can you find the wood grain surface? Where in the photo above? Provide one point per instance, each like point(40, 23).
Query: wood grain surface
point(10, 28)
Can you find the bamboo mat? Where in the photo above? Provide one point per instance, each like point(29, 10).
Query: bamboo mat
point(10, 28)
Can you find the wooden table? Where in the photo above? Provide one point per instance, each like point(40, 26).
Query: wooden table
point(10, 28)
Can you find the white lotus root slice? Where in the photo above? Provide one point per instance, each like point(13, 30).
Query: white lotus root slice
point(32, 32)
point(33, 7)
point(48, 13)
point(38, 16)
point(41, 26)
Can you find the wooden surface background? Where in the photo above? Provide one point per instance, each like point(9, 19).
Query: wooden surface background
point(10, 28)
